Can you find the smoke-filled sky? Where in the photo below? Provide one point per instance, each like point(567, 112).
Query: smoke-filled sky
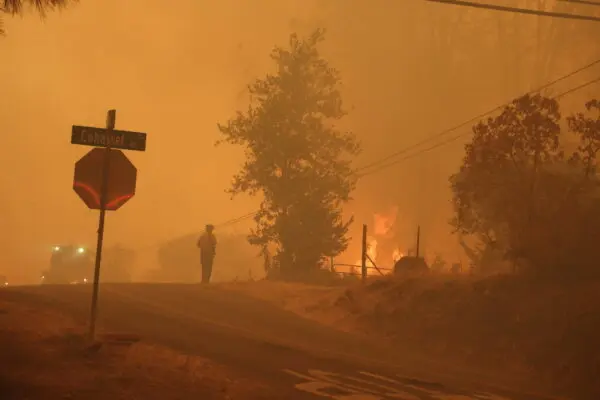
point(410, 69)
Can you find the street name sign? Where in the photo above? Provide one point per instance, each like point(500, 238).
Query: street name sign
point(102, 137)
point(105, 179)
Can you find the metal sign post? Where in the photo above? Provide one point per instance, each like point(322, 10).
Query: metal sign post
point(110, 125)
point(104, 179)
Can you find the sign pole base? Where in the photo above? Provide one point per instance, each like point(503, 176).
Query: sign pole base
point(94, 306)
point(110, 125)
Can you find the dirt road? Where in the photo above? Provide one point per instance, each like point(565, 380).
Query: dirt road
point(300, 359)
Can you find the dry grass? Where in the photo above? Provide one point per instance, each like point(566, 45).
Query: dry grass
point(43, 354)
point(314, 302)
point(548, 331)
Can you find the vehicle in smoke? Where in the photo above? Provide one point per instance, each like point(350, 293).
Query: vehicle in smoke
point(75, 264)
point(69, 264)
point(3, 281)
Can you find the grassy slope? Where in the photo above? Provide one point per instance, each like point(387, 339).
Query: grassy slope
point(544, 330)
point(43, 356)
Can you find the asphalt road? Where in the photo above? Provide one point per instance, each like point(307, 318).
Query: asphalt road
point(299, 358)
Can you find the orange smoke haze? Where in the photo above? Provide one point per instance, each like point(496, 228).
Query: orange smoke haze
point(410, 69)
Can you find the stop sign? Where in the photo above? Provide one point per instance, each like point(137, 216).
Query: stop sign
point(122, 176)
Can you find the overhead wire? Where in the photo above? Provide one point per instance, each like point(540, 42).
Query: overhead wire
point(586, 2)
point(475, 118)
point(516, 10)
point(379, 167)
point(454, 138)
point(237, 219)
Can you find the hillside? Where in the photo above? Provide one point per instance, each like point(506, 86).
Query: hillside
point(544, 331)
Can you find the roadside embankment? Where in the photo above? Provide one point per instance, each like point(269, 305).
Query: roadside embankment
point(505, 325)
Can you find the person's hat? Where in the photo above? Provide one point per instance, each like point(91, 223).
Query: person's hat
point(210, 226)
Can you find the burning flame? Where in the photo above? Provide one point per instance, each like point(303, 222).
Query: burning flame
point(396, 255)
point(383, 224)
point(371, 252)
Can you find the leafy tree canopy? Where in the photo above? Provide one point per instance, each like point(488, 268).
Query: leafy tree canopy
point(296, 157)
point(517, 191)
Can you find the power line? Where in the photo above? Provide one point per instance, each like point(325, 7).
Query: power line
point(586, 2)
point(228, 222)
point(449, 140)
point(454, 138)
point(405, 150)
point(517, 10)
point(246, 216)
point(452, 129)
point(577, 88)
point(237, 219)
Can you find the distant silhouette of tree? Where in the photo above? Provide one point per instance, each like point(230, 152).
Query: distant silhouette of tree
point(16, 7)
point(518, 193)
point(117, 264)
point(587, 128)
point(296, 158)
point(494, 189)
point(521, 52)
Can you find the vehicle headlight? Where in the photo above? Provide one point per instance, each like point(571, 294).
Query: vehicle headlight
point(80, 250)
point(56, 248)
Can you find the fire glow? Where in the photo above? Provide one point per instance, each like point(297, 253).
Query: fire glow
point(383, 225)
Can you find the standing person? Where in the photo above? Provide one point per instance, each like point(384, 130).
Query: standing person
point(207, 243)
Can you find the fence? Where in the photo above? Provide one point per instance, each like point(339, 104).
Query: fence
point(353, 272)
point(364, 267)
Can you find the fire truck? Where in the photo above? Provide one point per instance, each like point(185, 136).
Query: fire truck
point(69, 264)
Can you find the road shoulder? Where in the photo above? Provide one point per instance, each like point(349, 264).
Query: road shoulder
point(45, 355)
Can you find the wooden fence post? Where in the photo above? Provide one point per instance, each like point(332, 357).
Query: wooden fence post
point(418, 239)
point(364, 254)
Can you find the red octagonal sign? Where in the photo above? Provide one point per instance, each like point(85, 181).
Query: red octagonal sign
point(122, 176)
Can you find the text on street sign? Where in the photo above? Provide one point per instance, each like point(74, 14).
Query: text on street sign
point(91, 136)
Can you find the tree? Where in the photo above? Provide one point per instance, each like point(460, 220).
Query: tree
point(519, 194)
point(486, 259)
point(522, 51)
point(118, 262)
point(495, 189)
point(438, 264)
point(15, 7)
point(296, 157)
point(588, 130)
